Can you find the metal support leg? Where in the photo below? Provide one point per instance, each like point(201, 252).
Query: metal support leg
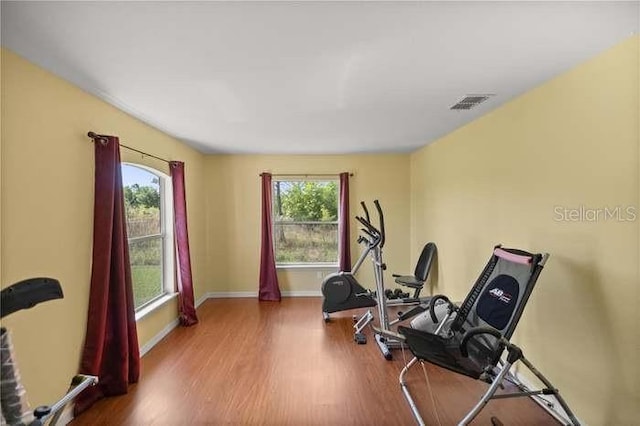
point(548, 384)
point(487, 396)
point(443, 321)
point(393, 338)
point(79, 383)
point(407, 395)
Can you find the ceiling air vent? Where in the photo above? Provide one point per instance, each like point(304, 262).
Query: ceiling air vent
point(470, 101)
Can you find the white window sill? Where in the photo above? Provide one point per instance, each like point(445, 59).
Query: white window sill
point(155, 305)
point(309, 266)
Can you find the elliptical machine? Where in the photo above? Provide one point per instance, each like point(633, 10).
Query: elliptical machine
point(386, 339)
point(341, 290)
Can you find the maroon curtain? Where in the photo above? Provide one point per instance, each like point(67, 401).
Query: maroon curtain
point(344, 248)
point(186, 306)
point(111, 341)
point(269, 289)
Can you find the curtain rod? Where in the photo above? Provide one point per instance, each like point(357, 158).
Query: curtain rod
point(97, 137)
point(304, 174)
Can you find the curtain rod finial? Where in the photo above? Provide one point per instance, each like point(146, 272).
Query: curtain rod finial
point(99, 138)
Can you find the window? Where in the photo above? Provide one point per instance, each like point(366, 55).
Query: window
point(149, 212)
point(305, 225)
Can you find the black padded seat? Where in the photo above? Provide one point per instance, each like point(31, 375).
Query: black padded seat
point(421, 272)
point(409, 281)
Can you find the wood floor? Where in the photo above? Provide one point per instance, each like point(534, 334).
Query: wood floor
point(270, 363)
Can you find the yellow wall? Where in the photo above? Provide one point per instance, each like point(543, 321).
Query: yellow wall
point(571, 142)
point(233, 223)
point(47, 213)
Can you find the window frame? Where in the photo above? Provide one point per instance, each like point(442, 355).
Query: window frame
point(304, 178)
point(166, 236)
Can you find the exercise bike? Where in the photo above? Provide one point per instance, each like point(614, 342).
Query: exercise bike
point(15, 409)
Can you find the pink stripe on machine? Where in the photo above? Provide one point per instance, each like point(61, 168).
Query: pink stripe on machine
point(516, 258)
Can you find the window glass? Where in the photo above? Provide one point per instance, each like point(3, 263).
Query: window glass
point(305, 221)
point(143, 206)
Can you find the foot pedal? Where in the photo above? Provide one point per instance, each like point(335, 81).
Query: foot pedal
point(360, 338)
point(383, 347)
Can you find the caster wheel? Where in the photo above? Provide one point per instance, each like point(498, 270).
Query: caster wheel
point(388, 357)
point(360, 338)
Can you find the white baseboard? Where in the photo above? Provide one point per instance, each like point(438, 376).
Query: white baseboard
point(231, 294)
point(302, 293)
point(158, 337)
point(201, 300)
point(254, 294)
point(544, 401)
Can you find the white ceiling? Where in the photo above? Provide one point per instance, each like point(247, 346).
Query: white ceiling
point(310, 77)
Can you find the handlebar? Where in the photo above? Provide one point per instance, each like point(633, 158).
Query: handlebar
point(369, 234)
point(432, 306)
point(464, 351)
point(381, 217)
point(366, 212)
point(372, 229)
point(366, 221)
